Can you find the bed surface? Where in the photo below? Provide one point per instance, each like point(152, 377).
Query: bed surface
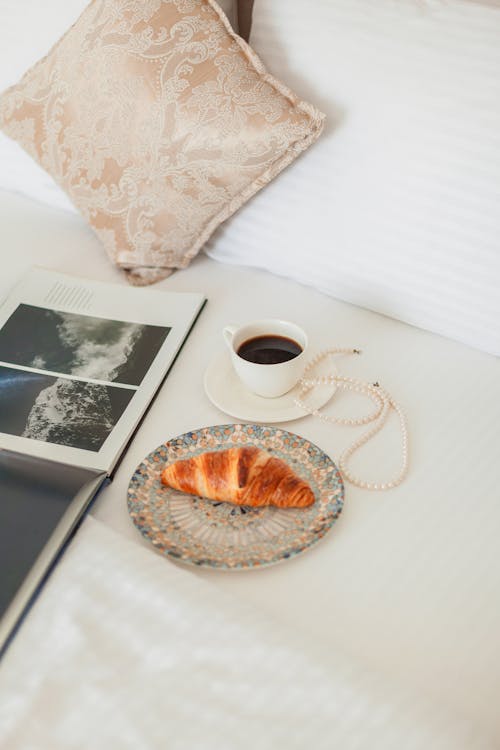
point(408, 581)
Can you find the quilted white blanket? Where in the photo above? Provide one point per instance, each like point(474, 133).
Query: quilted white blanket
point(126, 650)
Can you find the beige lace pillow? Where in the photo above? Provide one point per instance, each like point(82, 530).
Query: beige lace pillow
point(159, 122)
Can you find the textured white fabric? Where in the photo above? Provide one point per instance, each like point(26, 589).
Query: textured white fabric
point(28, 30)
point(397, 207)
point(407, 582)
point(126, 650)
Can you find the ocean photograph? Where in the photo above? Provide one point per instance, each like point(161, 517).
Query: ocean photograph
point(59, 410)
point(80, 345)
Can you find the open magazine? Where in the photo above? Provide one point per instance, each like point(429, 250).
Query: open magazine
point(80, 362)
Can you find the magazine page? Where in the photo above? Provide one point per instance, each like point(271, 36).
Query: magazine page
point(81, 360)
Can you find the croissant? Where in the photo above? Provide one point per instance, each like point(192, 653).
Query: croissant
point(243, 476)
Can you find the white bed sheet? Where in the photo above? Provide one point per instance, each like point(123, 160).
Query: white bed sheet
point(407, 582)
point(156, 657)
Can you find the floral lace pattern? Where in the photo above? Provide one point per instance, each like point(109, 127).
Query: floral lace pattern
point(159, 122)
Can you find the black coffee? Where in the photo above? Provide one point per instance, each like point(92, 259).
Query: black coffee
point(269, 350)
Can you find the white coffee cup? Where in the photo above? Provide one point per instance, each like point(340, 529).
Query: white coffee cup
point(268, 380)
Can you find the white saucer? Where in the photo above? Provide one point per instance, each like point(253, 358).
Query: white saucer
point(226, 391)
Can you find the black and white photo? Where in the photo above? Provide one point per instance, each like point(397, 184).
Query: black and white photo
point(80, 345)
point(61, 410)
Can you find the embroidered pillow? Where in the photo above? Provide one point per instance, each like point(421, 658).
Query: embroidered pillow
point(159, 122)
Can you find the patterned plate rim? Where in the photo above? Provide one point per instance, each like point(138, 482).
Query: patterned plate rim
point(245, 427)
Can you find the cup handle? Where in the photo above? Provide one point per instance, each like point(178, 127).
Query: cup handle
point(228, 333)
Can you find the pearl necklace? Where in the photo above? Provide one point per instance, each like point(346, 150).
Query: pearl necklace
point(383, 403)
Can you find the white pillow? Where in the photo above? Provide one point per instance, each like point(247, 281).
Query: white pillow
point(397, 206)
point(28, 29)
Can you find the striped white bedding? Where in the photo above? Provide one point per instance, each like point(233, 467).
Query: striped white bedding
point(397, 207)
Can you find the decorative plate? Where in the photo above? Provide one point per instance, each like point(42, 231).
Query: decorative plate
point(202, 532)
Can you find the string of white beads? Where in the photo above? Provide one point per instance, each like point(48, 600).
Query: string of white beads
point(383, 402)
